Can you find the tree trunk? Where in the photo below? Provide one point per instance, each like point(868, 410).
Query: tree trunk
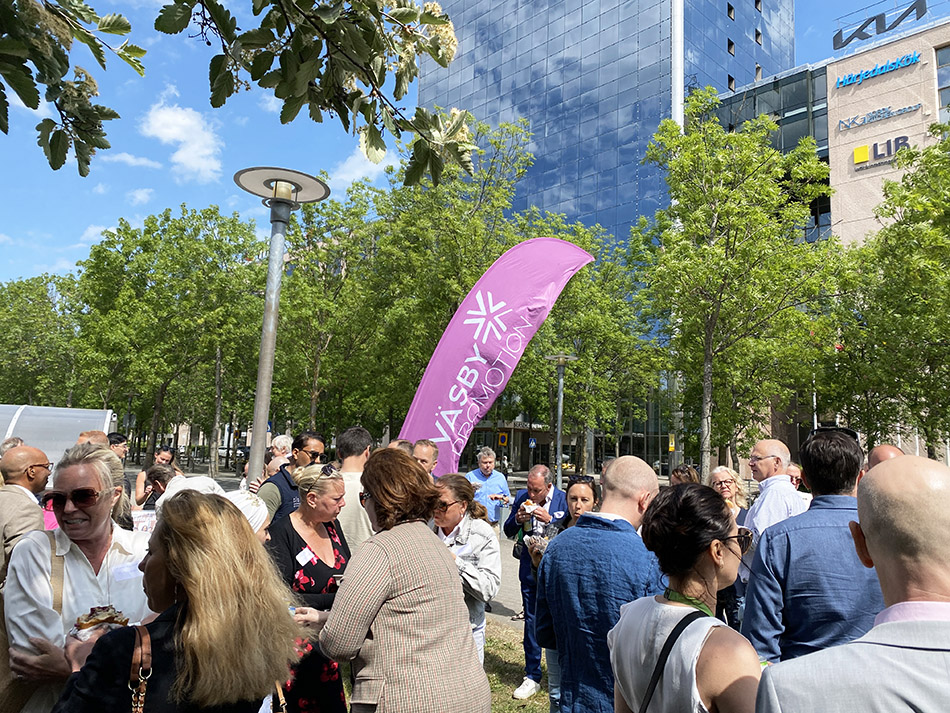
point(705, 423)
point(580, 452)
point(216, 423)
point(315, 391)
point(153, 429)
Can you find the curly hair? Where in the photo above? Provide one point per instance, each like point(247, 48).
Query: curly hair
point(400, 488)
point(681, 522)
point(235, 635)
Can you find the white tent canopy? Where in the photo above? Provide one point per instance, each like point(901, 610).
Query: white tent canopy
point(52, 429)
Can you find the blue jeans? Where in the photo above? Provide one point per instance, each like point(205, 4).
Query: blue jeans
point(554, 680)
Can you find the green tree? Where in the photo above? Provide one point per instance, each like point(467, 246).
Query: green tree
point(725, 266)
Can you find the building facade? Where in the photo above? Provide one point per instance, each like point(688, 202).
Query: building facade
point(594, 78)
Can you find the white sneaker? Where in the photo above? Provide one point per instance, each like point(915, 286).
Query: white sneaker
point(527, 689)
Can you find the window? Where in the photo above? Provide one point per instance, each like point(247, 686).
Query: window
point(731, 82)
point(758, 5)
point(730, 11)
point(758, 36)
point(731, 47)
point(758, 72)
point(943, 55)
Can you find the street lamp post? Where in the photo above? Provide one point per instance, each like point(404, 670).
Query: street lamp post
point(561, 361)
point(283, 191)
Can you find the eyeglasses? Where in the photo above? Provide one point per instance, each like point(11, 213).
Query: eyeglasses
point(442, 507)
point(755, 459)
point(316, 456)
point(364, 496)
point(743, 538)
point(47, 466)
point(720, 483)
point(81, 497)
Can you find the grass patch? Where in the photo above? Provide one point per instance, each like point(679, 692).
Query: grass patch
point(504, 664)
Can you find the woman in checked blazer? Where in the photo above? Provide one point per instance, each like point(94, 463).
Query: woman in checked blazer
point(400, 614)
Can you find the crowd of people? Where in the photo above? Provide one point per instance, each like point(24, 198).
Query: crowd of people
point(639, 597)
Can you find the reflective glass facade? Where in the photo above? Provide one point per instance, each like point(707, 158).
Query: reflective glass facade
point(593, 77)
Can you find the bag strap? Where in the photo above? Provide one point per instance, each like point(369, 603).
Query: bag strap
point(56, 569)
point(280, 698)
point(665, 654)
point(141, 669)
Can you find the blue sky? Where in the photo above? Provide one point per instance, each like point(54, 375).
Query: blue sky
point(170, 147)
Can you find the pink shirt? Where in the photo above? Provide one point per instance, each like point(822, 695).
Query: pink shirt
point(914, 611)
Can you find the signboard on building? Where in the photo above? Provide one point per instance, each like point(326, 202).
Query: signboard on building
point(877, 25)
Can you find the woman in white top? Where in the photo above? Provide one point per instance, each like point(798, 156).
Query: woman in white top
point(462, 524)
point(711, 668)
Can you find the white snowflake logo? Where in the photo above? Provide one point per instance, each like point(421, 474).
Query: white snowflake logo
point(489, 319)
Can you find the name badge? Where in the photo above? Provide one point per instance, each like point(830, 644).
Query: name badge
point(126, 571)
point(305, 555)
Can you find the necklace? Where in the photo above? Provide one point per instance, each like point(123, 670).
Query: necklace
point(675, 596)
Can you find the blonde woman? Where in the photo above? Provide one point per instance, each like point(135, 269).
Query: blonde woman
point(224, 634)
point(730, 601)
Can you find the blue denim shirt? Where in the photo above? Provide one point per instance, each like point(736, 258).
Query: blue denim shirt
point(808, 589)
point(494, 484)
point(587, 573)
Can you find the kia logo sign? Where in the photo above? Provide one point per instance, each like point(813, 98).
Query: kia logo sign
point(880, 25)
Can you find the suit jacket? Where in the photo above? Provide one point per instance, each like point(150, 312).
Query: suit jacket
point(400, 615)
point(896, 666)
point(19, 514)
point(558, 505)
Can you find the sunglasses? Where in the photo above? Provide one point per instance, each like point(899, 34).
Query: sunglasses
point(316, 456)
point(442, 507)
point(850, 432)
point(743, 538)
point(81, 497)
point(580, 479)
point(364, 496)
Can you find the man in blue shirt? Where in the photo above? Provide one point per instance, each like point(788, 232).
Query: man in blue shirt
point(587, 573)
point(808, 589)
point(491, 487)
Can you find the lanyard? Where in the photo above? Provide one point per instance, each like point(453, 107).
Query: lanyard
point(675, 596)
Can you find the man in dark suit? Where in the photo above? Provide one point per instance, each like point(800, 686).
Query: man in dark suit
point(534, 509)
point(25, 471)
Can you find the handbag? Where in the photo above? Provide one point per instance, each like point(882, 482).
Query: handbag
point(518, 547)
point(15, 693)
point(665, 654)
point(141, 668)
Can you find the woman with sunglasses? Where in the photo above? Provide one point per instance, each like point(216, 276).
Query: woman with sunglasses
point(223, 636)
point(462, 524)
point(710, 667)
point(99, 567)
point(311, 553)
point(400, 615)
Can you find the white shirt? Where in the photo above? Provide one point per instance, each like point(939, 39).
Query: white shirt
point(538, 527)
point(778, 500)
point(353, 518)
point(201, 483)
point(28, 595)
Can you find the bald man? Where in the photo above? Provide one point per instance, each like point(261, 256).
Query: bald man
point(587, 573)
point(881, 453)
point(25, 472)
point(778, 499)
point(902, 663)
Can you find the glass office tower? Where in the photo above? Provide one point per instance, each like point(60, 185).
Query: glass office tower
point(594, 78)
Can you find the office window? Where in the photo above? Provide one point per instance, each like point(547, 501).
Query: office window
point(943, 55)
point(758, 36)
point(758, 72)
point(758, 5)
point(730, 11)
point(731, 47)
point(731, 82)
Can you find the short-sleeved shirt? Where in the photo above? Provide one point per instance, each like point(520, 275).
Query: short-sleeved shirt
point(494, 484)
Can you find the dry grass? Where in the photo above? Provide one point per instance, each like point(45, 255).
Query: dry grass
point(504, 664)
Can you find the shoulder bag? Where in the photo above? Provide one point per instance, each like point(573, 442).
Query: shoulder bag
point(665, 654)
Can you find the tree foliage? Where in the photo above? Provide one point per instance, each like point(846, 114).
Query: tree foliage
point(725, 269)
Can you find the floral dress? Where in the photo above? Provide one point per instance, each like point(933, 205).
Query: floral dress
point(315, 685)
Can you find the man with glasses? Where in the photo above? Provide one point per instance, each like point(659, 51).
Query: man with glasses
point(25, 473)
point(778, 499)
point(808, 589)
point(279, 492)
point(352, 448)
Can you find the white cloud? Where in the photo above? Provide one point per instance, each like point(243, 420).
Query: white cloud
point(130, 160)
point(357, 166)
point(44, 111)
point(197, 157)
point(100, 189)
point(270, 103)
point(61, 265)
point(5, 239)
point(91, 235)
point(139, 196)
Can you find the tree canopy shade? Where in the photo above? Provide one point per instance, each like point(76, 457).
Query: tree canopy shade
point(725, 269)
point(352, 59)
